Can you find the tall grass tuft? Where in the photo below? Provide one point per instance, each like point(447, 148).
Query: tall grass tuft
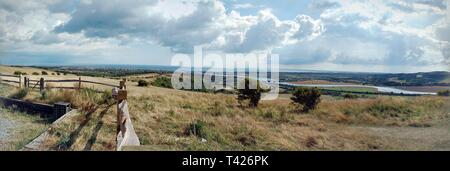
point(19, 94)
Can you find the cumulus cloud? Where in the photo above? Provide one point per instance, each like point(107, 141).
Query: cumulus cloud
point(308, 28)
point(397, 33)
point(365, 33)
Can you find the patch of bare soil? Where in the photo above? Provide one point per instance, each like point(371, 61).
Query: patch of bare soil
point(434, 138)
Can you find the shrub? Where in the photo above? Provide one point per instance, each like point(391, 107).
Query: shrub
point(307, 98)
point(58, 73)
point(20, 94)
point(197, 128)
point(35, 73)
point(44, 95)
point(53, 73)
point(251, 94)
point(17, 72)
point(44, 73)
point(350, 96)
point(444, 93)
point(142, 83)
point(164, 82)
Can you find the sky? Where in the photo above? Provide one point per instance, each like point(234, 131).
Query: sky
point(346, 35)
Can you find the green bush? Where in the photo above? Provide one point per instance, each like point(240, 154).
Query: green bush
point(306, 98)
point(197, 128)
point(444, 93)
point(19, 94)
point(44, 95)
point(44, 73)
point(142, 83)
point(350, 96)
point(251, 94)
point(17, 72)
point(35, 73)
point(164, 82)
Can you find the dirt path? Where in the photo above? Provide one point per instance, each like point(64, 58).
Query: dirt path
point(5, 127)
point(436, 137)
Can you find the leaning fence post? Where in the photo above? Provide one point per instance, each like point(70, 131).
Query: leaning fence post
point(119, 95)
point(41, 84)
point(79, 83)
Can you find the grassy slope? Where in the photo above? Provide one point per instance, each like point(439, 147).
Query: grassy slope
point(162, 117)
point(10, 70)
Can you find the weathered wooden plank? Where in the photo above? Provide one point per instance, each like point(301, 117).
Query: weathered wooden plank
point(127, 135)
point(9, 75)
point(93, 82)
point(60, 81)
point(10, 81)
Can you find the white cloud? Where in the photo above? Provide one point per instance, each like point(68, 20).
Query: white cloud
point(243, 6)
point(346, 32)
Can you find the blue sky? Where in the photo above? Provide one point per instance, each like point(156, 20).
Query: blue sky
point(350, 35)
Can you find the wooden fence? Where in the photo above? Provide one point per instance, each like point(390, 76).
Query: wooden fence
point(125, 134)
point(26, 82)
point(18, 77)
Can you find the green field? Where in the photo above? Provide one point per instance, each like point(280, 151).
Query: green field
point(352, 89)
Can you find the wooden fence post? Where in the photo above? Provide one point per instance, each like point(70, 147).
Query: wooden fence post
point(79, 83)
point(123, 85)
point(41, 85)
point(20, 80)
point(25, 81)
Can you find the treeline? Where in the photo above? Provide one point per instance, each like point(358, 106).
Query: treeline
point(439, 78)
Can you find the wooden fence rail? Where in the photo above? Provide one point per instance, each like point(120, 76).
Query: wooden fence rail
point(60, 81)
point(11, 81)
point(9, 75)
point(31, 83)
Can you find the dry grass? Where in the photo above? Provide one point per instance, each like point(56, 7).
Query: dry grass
point(24, 128)
point(397, 111)
point(164, 119)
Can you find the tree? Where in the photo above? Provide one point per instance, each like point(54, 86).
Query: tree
point(306, 98)
point(251, 94)
point(44, 73)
